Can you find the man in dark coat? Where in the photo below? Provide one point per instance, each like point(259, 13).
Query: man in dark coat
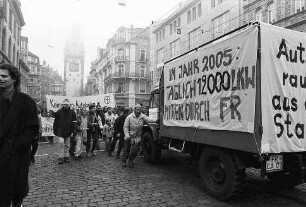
point(119, 133)
point(18, 127)
point(64, 127)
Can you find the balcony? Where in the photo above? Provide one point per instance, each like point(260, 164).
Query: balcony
point(121, 95)
point(127, 75)
point(121, 58)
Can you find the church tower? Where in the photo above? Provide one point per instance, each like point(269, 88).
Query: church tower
point(74, 63)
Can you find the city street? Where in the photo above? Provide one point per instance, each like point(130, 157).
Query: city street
point(101, 181)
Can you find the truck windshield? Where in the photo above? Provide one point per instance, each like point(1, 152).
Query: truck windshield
point(154, 100)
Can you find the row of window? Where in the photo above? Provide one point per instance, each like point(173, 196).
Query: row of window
point(271, 15)
point(121, 54)
point(215, 3)
point(120, 88)
point(121, 70)
point(13, 24)
point(192, 14)
point(220, 26)
point(299, 5)
point(12, 52)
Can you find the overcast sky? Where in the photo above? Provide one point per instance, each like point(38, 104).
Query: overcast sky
point(48, 23)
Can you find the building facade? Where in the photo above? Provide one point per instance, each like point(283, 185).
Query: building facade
point(290, 14)
point(123, 67)
point(192, 24)
point(45, 84)
point(57, 84)
point(74, 63)
point(10, 25)
point(34, 81)
point(51, 83)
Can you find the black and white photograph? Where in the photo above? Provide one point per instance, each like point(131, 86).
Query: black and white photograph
point(152, 103)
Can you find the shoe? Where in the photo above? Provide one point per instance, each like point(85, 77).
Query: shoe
point(123, 164)
point(66, 159)
point(109, 154)
point(131, 164)
point(93, 154)
point(32, 160)
point(117, 157)
point(88, 154)
point(60, 161)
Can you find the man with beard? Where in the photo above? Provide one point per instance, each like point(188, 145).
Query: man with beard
point(18, 127)
point(64, 127)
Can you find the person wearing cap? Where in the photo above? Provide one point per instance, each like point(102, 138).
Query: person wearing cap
point(64, 127)
point(119, 133)
point(132, 134)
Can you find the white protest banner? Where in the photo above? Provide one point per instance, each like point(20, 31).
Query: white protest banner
point(214, 87)
point(55, 102)
point(47, 126)
point(283, 77)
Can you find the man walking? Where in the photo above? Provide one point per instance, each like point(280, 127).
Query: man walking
point(132, 134)
point(119, 133)
point(63, 127)
point(18, 127)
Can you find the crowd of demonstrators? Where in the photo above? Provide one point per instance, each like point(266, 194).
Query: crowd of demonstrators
point(19, 126)
point(114, 125)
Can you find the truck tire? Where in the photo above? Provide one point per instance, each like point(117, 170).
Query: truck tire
point(219, 174)
point(151, 151)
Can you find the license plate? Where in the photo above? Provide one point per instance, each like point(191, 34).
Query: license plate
point(274, 163)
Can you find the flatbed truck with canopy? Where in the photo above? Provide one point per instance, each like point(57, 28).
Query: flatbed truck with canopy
point(236, 102)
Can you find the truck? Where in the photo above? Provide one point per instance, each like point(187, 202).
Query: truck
point(235, 102)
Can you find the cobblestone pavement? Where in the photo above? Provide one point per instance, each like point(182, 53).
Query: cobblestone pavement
point(101, 181)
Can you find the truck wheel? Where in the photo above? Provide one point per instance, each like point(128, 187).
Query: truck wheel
point(219, 174)
point(151, 150)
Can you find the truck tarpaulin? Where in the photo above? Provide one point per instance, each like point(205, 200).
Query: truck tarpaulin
point(213, 87)
point(283, 75)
